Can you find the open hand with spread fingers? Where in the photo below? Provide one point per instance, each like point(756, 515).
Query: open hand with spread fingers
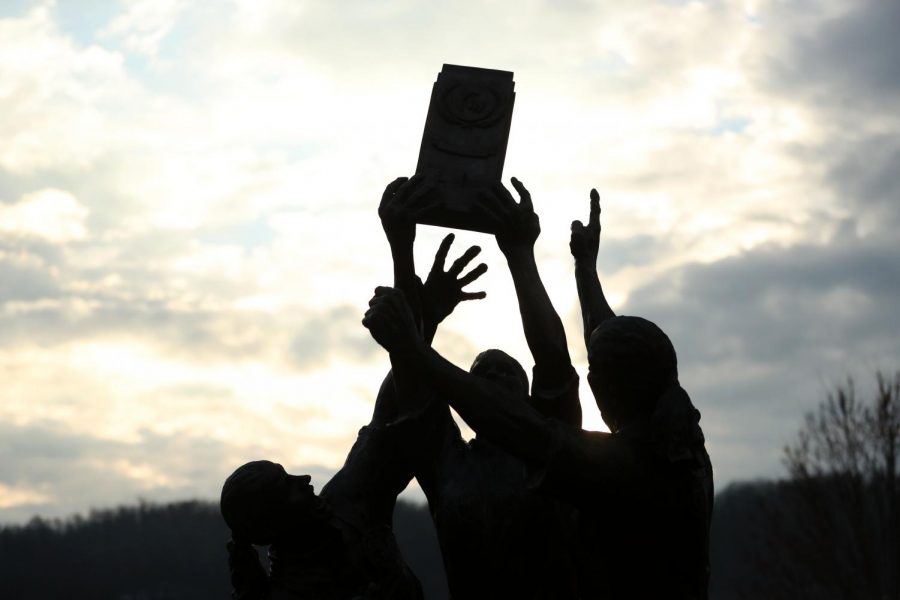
point(443, 290)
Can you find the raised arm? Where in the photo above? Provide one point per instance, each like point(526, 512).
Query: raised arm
point(401, 201)
point(517, 228)
point(438, 297)
point(485, 405)
point(432, 302)
point(575, 460)
point(585, 245)
point(443, 290)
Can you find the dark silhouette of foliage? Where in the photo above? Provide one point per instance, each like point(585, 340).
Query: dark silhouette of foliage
point(844, 467)
point(158, 552)
point(831, 529)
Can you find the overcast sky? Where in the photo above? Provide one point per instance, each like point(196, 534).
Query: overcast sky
point(189, 238)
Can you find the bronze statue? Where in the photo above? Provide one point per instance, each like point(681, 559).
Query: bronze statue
point(499, 538)
point(644, 491)
point(339, 544)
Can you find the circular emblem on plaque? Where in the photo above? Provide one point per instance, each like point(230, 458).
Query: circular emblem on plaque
point(472, 105)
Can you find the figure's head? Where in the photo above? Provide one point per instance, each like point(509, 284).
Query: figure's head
point(261, 502)
point(631, 363)
point(502, 368)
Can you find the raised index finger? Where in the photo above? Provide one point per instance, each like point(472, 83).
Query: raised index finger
point(595, 209)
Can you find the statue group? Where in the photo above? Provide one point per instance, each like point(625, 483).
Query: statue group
point(534, 506)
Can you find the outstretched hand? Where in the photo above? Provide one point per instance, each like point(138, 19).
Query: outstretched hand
point(514, 223)
point(585, 240)
point(443, 290)
point(390, 320)
point(401, 203)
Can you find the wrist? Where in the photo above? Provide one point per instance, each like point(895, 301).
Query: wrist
point(520, 252)
point(401, 243)
point(410, 350)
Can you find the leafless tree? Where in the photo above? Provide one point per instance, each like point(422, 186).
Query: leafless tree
point(836, 531)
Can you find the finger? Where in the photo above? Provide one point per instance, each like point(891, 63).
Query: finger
point(577, 226)
point(472, 296)
point(595, 209)
point(506, 199)
point(409, 185)
point(524, 194)
point(383, 291)
point(395, 302)
point(441, 255)
point(472, 275)
point(460, 263)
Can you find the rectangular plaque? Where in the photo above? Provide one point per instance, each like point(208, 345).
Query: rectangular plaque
point(464, 142)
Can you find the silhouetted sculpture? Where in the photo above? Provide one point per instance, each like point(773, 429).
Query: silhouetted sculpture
point(340, 544)
point(337, 545)
point(498, 537)
point(464, 142)
point(643, 491)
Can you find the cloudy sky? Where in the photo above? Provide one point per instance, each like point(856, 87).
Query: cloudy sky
point(188, 228)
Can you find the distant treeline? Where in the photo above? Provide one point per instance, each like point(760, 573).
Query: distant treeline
point(159, 552)
point(766, 543)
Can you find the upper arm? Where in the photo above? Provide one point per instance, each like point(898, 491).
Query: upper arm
point(438, 439)
point(554, 393)
point(376, 469)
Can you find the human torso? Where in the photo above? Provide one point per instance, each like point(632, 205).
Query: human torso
point(499, 538)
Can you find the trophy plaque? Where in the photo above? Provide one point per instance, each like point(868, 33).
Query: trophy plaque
point(464, 142)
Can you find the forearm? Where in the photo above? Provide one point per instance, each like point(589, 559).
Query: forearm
point(487, 407)
point(386, 403)
point(404, 265)
point(429, 328)
point(541, 324)
point(405, 278)
point(412, 394)
point(594, 307)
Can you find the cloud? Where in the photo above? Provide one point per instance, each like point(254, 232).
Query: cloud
point(847, 59)
point(55, 215)
point(761, 336)
point(51, 471)
point(337, 331)
point(144, 25)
